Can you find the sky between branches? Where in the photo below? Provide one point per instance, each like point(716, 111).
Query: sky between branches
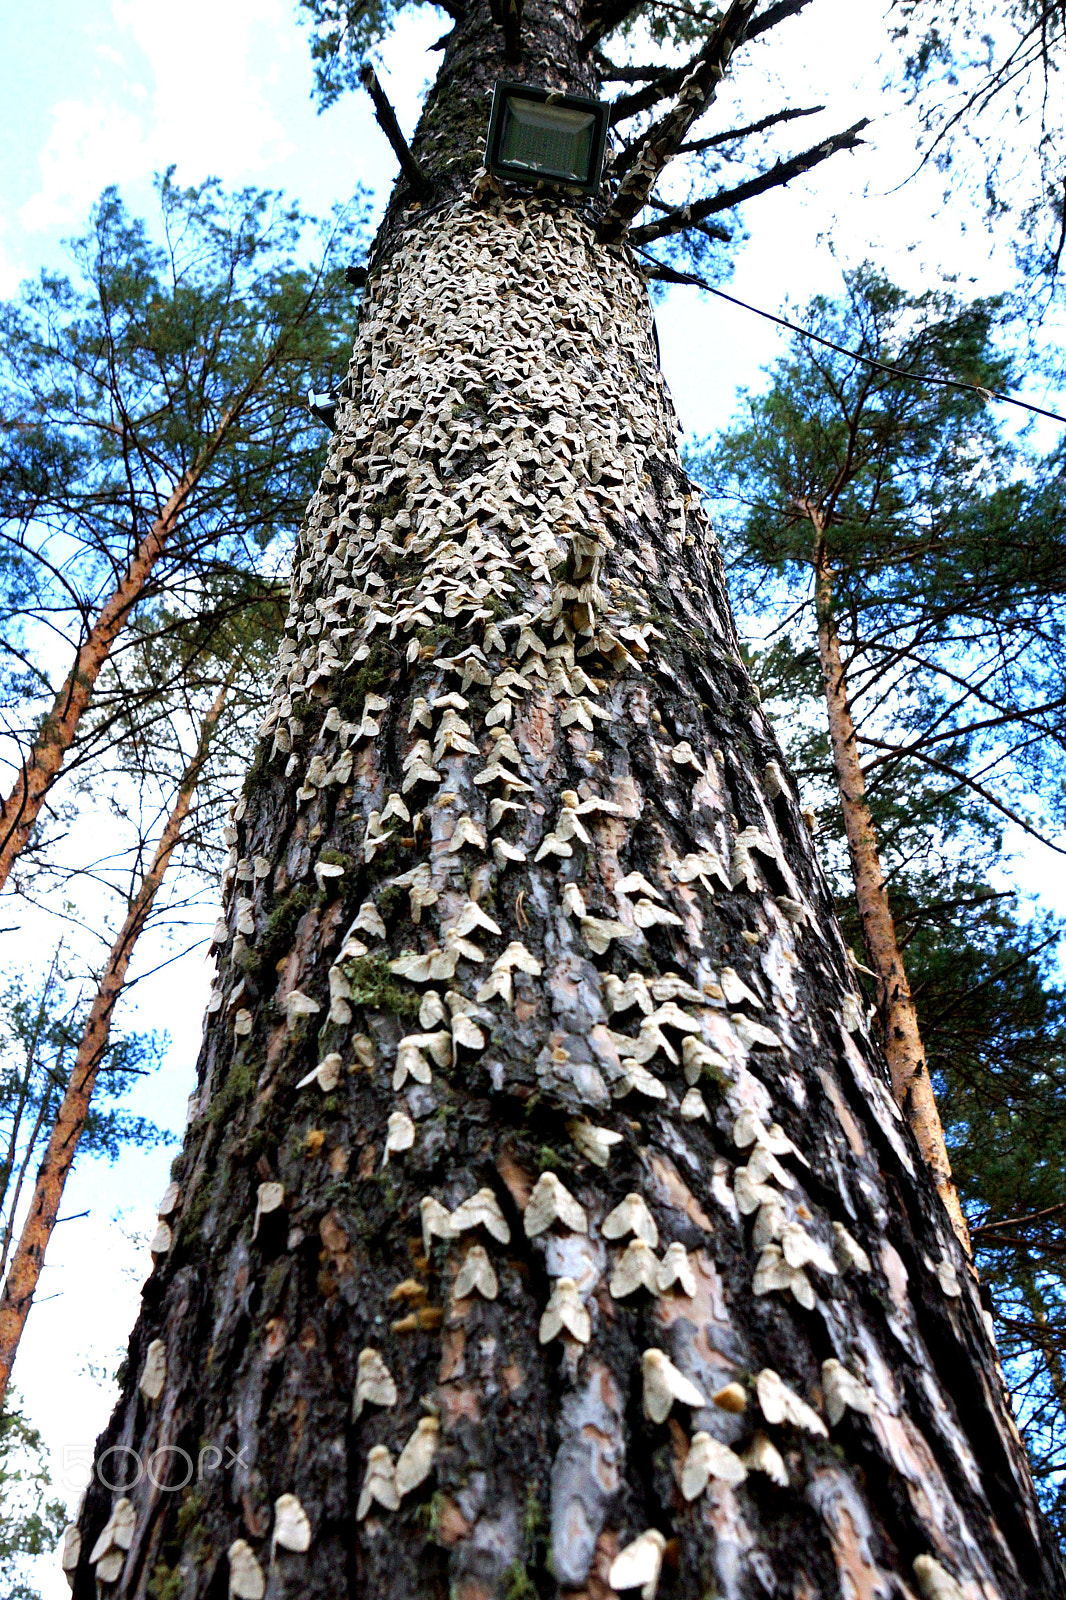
point(94, 92)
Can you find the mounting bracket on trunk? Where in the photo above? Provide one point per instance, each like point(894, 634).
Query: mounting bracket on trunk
point(324, 406)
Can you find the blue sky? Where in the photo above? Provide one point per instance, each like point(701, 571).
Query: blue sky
point(111, 91)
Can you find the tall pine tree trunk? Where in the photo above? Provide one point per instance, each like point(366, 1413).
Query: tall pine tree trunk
point(545, 1223)
point(27, 1263)
point(899, 1018)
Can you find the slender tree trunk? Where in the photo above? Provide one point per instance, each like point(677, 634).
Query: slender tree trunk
point(39, 770)
point(40, 1122)
point(899, 1019)
point(534, 1147)
point(28, 1260)
point(22, 807)
point(21, 1099)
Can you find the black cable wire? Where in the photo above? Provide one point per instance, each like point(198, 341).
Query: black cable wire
point(672, 275)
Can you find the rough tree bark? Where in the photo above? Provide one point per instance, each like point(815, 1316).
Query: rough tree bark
point(545, 1224)
point(899, 1019)
point(20, 1284)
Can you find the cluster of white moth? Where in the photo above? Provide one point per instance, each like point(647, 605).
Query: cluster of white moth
point(561, 451)
point(559, 454)
point(403, 544)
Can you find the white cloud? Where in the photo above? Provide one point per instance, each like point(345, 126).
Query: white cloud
point(211, 114)
point(171, 100)
point(90, 145)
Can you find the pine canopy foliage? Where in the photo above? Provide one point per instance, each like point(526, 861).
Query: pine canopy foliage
point(182, 349)
point(30, 1519)
point(986, 81)
point(947, 546)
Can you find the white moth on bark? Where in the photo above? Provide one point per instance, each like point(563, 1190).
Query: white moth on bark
point(374, 1383)
point(154, 1372)
point(292, 1527)
point(108, 1554)
point(638, 1566)
point(379, 1483)
point(415, 1461)
point(476, 1275)
point(549, 1203)
point(482, 1210)
point(436, 1221)
point(270, 1197)
point(843, 1391)
point(565, 1313)
point(676, 1271)
point(246, 1578)
point(399, 1137)
point(636, 1268)
point(663, 1384)
point(70, 1551)
point(708, 1458)
point(781, 1404)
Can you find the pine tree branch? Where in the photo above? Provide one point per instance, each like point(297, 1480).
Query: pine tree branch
point(660, 144)
point(386, 120)
point(626, 156)
point(610, 18)
point(1012, 1242)
point(663, 83)
point(710, 230)
point(775, 14)
point(1019, 1222)
point(665, 80)
point(967, 782)
point(732, 134)
point(1024, 716)
point(512, 29)
point(780, 173)
point(610, 72)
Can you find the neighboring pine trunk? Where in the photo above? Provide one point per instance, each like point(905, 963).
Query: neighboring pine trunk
point(538, 1136)
point(22, 807)
point(20, 1285)
point(16, 1109)
point(899, 1019)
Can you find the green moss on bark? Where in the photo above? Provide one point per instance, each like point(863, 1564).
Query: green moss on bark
point(374, 987)
point(277, 937)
